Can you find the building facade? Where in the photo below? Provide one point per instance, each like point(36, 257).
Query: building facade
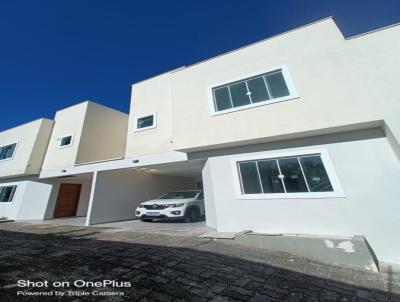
point(298, 134)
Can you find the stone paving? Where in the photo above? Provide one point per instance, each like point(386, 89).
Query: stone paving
point(164, 266)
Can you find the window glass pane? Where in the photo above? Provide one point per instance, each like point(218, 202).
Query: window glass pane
point(269, 176)
point(277, 85)
point(294, 179)
point(222, 99)
point(7, 151)
point(317, 178)
point(239, 94)
point(65, 141)
point(249, 176)
point(3, 153)
point(258, 90)
point(146, 121)
point(7, 193)
point(11, 149)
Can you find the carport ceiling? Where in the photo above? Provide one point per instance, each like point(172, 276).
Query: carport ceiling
point(190, 168)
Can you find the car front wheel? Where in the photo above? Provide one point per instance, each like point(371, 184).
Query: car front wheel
point(192, 215)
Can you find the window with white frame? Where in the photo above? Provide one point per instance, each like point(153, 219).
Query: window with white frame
point(66, 141)
point(145, 122)
point(259, 89)
point(7, 152)
point(298, 175)
point(7, 193)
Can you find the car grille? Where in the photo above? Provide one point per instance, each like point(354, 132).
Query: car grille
point(156, 207)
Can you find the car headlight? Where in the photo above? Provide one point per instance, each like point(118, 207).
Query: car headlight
point(141, 206)
point(176, 205)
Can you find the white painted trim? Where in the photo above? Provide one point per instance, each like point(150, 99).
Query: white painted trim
point(286, 75)
point(65, 146)
point(149, 127)
point(10, 184)
point(15, 151)
point(330, 170)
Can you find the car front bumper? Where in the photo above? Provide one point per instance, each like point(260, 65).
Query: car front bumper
point(143, 213)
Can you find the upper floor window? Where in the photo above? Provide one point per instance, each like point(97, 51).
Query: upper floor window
point(7, 152)
point(303, 175)
point(65, 141)
point(255, 90)
point(7, 193)
point(145, 122)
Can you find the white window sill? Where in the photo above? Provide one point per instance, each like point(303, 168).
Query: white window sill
point(145, 128)
point(308, 195)
point(7, 159)
point(254, 105)
point(65, 146)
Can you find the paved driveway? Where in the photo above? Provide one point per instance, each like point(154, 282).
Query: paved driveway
point(165, 267)
point(193, 229)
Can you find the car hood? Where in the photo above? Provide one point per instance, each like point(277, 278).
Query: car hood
point(166, 201)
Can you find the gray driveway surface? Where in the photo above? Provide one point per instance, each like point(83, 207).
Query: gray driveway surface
point(162, 266)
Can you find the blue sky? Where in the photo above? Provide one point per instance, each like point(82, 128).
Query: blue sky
point(57, 53)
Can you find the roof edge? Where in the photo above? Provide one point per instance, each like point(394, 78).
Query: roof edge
point(26, 123)
point(373, 31)
point(240, 48)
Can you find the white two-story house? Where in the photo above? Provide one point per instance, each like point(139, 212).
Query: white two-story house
point(298, 133)
point(22, 150)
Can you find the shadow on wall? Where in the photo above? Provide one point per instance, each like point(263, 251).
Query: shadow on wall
point(294, 143)
point(160, 272)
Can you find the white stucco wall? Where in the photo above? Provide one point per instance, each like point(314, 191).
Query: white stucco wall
point(32, 139)
point(334, 77)
point(117, 193)
point(369, 172)
point(68, 121)
point(151, 97)
point(30, 199)
point(209, 197)
point(99, 133)
point(103, 134)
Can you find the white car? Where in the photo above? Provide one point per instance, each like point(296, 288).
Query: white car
point(187, 205)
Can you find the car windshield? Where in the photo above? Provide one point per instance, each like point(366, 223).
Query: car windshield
point(180, 195)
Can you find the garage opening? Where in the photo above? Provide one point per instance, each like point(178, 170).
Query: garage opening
point(117, 194)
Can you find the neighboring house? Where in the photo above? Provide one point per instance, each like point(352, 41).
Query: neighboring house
point(22, 150)
point(296, 134)
point(83, 133)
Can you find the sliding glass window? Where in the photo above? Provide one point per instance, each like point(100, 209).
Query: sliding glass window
point(261, 88)
point(297, 174)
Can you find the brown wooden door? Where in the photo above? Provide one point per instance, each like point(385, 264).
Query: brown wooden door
point(67, 200)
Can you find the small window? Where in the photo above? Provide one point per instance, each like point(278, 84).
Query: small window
point(260, 89)
point(7, 152)
point(65, 141)
point(145, 122)
point(7, 193)
point(302, 175)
